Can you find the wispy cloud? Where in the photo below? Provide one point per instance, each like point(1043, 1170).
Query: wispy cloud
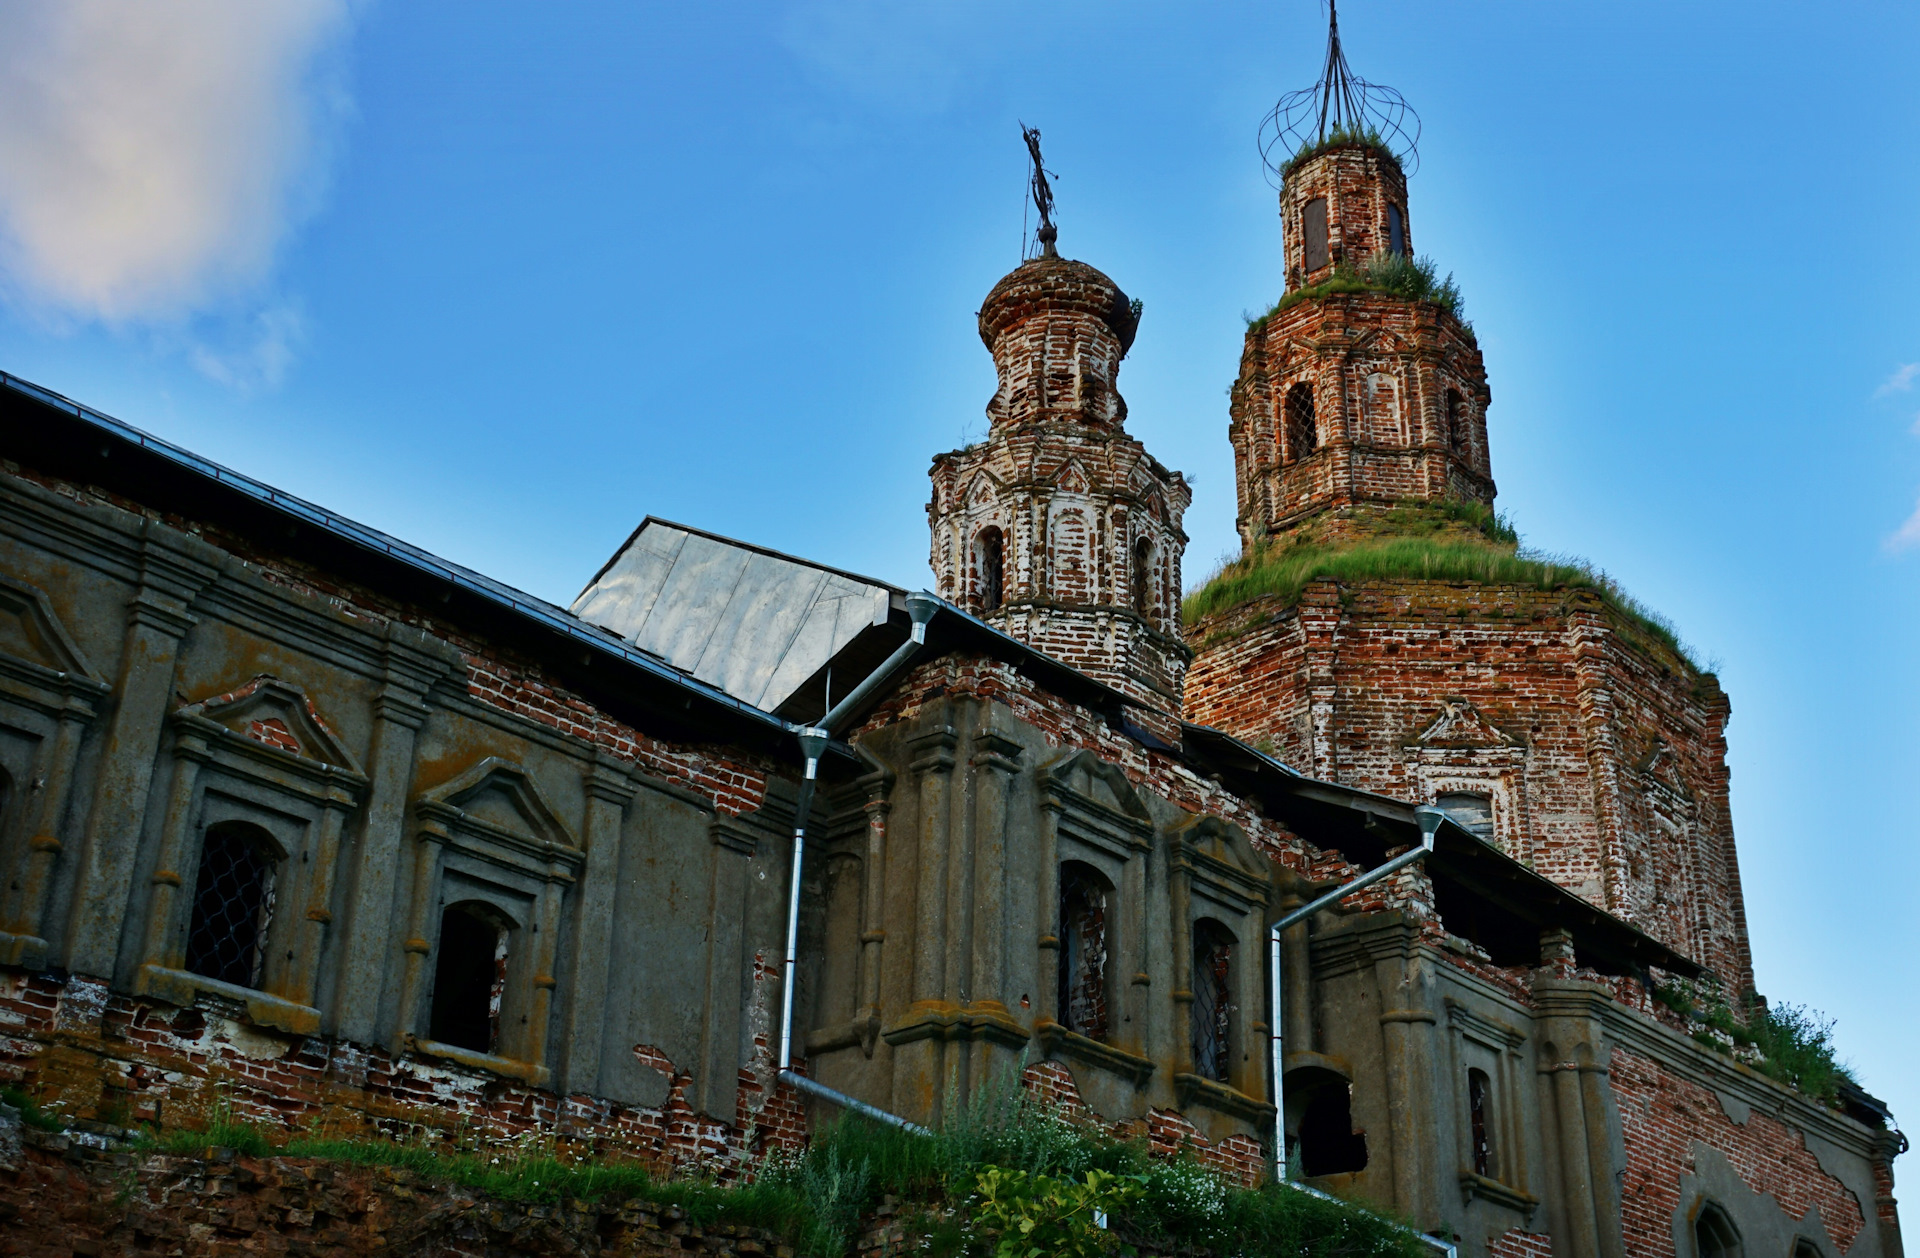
point(258, 350)
point(1907, 536)
point(1900, 381)
point(154, 157)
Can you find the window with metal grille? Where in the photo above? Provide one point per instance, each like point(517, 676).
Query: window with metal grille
point(1313, 220)
point(1396, 230)
point(232, 904)
point(1713, 1234)
point(1477, 1111)
point(1457, 436)
point(1212, 999)
point(992, 559)
point(1143, 577)
point(469, 978)
point(1302, 433)
point(1083, 951)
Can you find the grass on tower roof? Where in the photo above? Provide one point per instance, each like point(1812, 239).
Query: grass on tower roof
point(1455, 543)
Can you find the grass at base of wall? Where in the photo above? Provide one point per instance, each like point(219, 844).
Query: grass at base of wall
point(1285, 572)
point(817, 1198)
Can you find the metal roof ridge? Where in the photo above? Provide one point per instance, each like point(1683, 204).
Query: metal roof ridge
point(499, 592)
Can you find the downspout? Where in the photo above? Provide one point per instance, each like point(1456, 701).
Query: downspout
point(813, 744)
point(1429, 819)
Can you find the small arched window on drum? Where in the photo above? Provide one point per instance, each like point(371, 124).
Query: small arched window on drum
point(1302, 432)
point(1313, 224)
point(990, 557)
point(1396, 230)
point(1143, 577)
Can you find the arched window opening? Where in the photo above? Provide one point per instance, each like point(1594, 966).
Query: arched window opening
point(469, 978)
point(1083, 951)
point(1470, 810)
point(1713, 1234)
point(232, 905)
point(1804, 1248)
point(1212, 999)
point(991, 550)
point(1457, 424)
point(1328, 1143)
point(1143, 577)
point(1313, 221)
point(1477, 1102)
point(1302, 433)
point(1396, 230)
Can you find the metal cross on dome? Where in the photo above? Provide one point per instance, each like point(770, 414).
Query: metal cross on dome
point(1342, 106)
point(1042, 192)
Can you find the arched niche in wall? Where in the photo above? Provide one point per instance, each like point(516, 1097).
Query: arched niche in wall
point(1098, 833)
point(254, 776)
point(49, 696)
point(1220, 888)
point(489, 840)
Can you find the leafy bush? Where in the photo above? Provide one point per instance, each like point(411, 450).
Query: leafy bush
point(1789, 1043)
point(1038, 1216)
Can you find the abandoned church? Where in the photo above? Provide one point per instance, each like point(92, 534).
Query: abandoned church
point(303, 818)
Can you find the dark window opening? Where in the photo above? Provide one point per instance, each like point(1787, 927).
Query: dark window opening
point(1396, 230)
point(992, 570)
point(1313, 220)
point(232, 905)
point(1472, 811)
point(1083, 951)
point(1804, 1248)
point(1713, 1234)
point(1328, 1143)
point(1143, 577)
point(1302, 433)
point(1477, 1109)
point(1465, 914)
point(469, 978)
point(1457, 424)
point(1212, 999)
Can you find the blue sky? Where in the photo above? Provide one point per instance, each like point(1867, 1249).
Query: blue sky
point(502, 279)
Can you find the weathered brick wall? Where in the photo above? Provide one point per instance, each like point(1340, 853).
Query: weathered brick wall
point(1663, 1117)
point(1089, 522)
point(1380, 370)
point(1602, 751)
point(1359, 183)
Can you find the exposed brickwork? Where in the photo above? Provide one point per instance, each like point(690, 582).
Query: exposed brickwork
point(1167, 1133)
point(1662, 1116)
point(1603, 753)
point(1520, 1244)
point(1361, 186)
point(1081, 523)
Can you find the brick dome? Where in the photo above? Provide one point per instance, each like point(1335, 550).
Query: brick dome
point(1057, 330)
point(1055, 285)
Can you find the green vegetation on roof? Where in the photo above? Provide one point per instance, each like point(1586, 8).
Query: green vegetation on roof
point(1454, 542)
point(1395, 274)
point(1788, 1043)
point(1339, 137)
point(1007, 1160)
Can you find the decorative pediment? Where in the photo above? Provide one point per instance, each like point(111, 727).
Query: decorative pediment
point(1071, 479)
point(1085, 778)
point(1462, 727)
point(1661, 767)
point(1380, 342)
point(274, 714)
point(984, 491)
point(497, 797)
point(1222, 842)
point(39, 661)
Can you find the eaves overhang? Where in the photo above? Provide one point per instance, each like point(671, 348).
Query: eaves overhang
point(57, 436)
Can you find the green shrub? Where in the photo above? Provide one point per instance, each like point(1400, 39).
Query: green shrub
point(30, 1112)
point(1789, 1043)
point(1337, 138)
point(1415, 279)
point(1038, 1216)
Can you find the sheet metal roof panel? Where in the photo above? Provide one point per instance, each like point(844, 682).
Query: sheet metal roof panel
point(752, 621)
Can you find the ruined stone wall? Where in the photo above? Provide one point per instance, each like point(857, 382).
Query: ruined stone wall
point(1601, 752)
point(1399, 402)
point(394, 761)
point(1361, 187)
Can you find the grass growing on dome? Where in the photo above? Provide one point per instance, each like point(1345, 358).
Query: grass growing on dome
point(1396, 274)
point(1415, 547)
point(1339, 137)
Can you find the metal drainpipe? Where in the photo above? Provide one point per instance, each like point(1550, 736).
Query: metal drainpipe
point(813, 744)
point(1429, 819)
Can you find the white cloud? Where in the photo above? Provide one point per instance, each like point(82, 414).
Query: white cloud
point(1900, 381)
point(154, 156)
point(266, 345)
point(1907, 536)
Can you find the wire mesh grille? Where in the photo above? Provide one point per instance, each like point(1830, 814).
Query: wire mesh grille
point(1212, 1002)
point(232, 908)
point(1083, 961)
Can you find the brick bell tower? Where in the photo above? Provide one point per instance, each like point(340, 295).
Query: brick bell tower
point(1352, 396)
point(1059, 528)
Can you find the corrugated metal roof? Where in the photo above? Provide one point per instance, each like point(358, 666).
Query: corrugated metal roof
point(752, 621)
